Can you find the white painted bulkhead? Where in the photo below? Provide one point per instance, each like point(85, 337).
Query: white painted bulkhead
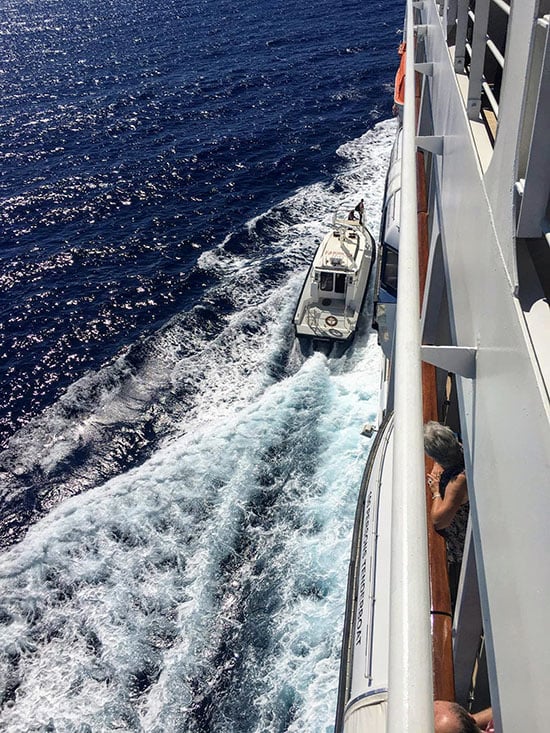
point(504, 408)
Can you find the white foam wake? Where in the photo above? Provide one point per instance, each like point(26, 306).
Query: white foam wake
point(209, 583)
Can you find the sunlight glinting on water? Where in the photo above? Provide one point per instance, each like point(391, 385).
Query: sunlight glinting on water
point(213, 576)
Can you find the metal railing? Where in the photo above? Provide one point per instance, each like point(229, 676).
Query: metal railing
point(410, 702)
point(471, 56)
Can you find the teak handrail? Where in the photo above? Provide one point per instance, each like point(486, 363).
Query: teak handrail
point(441, 613)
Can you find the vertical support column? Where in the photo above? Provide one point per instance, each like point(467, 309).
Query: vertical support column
point(536, 186)
point(452, 10)
point(478, 58)
point(450, 20)
point(461, 28)
point(467, 627)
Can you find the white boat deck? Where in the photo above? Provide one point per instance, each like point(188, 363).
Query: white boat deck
point(335, 287)
point(341, 249)
point(333, 320)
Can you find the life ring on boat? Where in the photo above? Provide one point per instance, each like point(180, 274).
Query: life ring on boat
point(331, 320)
point(335, 332)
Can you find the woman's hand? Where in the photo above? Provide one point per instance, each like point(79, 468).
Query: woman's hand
point(434, 476)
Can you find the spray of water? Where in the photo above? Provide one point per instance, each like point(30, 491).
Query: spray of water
point(204, 589)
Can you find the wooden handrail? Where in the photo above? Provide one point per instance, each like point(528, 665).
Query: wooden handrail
point(441, 613)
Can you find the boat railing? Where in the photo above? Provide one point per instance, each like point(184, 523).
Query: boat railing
point(410, 697)
point(479, 38)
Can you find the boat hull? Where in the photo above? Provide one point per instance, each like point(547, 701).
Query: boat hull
point(335, 287)
point(362, 697)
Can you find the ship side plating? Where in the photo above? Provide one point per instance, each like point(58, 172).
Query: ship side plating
point(483, 80)
point(486, 274)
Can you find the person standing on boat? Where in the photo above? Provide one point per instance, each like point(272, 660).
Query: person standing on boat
point(450, 506)
point(360, 208)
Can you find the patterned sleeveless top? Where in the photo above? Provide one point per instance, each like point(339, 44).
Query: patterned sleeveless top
point(455, 533)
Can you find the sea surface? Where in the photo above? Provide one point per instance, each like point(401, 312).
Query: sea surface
point(177, 481)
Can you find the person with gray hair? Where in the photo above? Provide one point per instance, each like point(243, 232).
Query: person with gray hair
point(449, 717)
point(441, 444)
point(447, 481)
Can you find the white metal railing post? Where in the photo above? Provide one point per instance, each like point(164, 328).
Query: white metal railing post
point(410, 698)
point(477, 61)
point(461, 30)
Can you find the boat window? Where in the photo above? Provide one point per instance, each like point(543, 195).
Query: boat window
point(389, 270)
point(326, 281)
point(340, 282)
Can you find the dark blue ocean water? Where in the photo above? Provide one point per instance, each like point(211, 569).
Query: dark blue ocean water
point(167, 170)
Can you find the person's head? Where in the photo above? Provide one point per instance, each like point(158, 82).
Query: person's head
point(450, 717)
point(440, 443)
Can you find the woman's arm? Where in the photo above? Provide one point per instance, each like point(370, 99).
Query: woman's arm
point(444, 509)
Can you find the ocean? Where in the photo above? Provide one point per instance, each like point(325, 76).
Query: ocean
point(178, 482)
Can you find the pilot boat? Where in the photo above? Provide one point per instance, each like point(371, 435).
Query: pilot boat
point(461, 308)
point(335, 286)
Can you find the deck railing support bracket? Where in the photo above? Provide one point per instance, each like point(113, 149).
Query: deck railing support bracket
point(460, 360)
point(430, 143)
point(427, 68)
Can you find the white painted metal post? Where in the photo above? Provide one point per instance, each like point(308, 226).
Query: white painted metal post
point(461, 30)
point(477, 62)
point(410, 699)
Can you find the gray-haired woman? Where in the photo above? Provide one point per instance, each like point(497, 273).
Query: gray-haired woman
point(447, 481)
